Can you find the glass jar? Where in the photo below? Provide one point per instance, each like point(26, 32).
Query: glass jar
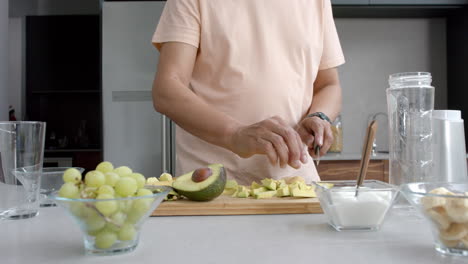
point(410, 101)
point(337, 129)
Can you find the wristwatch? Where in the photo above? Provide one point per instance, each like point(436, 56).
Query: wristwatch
point(321, 116)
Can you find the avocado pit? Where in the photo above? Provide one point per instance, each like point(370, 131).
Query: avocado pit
point(201, 174)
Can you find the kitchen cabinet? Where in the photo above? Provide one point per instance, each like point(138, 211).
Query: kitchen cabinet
point(350, 2)
point(457, 59)
point(418, 2)
point(348, 170)
point(63, 84)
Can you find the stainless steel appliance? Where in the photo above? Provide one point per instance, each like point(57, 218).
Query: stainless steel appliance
point(134, 133)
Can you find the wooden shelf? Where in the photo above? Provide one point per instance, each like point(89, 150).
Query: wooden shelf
point(348, 170)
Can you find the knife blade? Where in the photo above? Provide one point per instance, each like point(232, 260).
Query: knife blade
point(317, 152)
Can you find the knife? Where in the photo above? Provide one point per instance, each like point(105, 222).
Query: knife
point(317, 152)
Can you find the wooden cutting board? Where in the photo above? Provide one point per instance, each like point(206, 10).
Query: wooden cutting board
point(227, 205)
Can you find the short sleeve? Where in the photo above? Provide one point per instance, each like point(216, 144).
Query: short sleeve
point(179, 22)
point(332, 55)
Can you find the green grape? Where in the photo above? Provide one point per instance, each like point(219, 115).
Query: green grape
point(72, 175)
point(69, 190)
point(139, 209)
point(106, 207)
point(126, 187)
point(95, 179)
point(105, 239)
point(117, 221)
point(142, 205)
point(125, 205)
point(127, 232)
point(89, 212)
point(95, 222)
point(111, 178)
point(94, 232)
point(76, 208)
point(139, 178)
point(134, 216)
point(144, 192)
point(123, 171)
point(106, 189)
point(104, 167)
point(89, 192)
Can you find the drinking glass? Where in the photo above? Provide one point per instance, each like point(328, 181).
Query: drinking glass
point(21, 158)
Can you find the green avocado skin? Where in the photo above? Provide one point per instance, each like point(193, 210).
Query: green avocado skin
point(209, 193)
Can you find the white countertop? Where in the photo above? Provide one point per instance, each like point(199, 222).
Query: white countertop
point(52, 237)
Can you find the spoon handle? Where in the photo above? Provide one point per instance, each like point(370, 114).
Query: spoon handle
point(366, 152)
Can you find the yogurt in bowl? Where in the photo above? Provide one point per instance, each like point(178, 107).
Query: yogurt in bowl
point(346, 211)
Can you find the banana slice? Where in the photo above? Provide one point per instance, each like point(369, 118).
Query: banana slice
point(449, 243)
point(432, 202)
point(442, 191)
point(454, 232)
point(440, 217)
point(457, 209)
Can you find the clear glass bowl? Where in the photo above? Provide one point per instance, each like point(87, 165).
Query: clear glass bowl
point(346, 211)
point(51, 181)
point(447, 211)
point(117, 232)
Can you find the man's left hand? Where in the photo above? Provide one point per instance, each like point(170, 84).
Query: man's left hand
point(315, 131)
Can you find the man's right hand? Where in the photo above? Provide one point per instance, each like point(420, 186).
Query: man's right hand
point(271, 137)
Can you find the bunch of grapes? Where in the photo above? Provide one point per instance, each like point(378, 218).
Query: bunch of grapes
point(106, 219)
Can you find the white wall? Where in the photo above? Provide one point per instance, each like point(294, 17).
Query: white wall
point(375, 48)
point(16, 69)
point(3, 59)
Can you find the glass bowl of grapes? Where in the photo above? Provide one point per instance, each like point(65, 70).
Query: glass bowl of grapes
point(109, 205)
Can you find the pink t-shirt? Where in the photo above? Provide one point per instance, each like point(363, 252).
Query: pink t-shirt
point(256, 59)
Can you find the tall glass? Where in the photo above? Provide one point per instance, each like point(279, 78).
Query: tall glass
point(21, 158)
point(410, 102)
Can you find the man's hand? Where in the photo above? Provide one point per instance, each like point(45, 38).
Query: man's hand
point(272, 137)
point(327, 98)
point(315, 131)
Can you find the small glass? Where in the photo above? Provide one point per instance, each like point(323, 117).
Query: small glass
point(51, 181)
point(445, 206)
point(21, 157)
point(115, 233)
point(364, 212)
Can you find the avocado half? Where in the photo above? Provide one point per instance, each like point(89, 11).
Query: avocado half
point(206, 190)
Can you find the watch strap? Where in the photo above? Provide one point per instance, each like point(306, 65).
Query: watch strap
point(321, 116)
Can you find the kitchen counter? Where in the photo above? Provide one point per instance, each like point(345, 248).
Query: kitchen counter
point(52, 237)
